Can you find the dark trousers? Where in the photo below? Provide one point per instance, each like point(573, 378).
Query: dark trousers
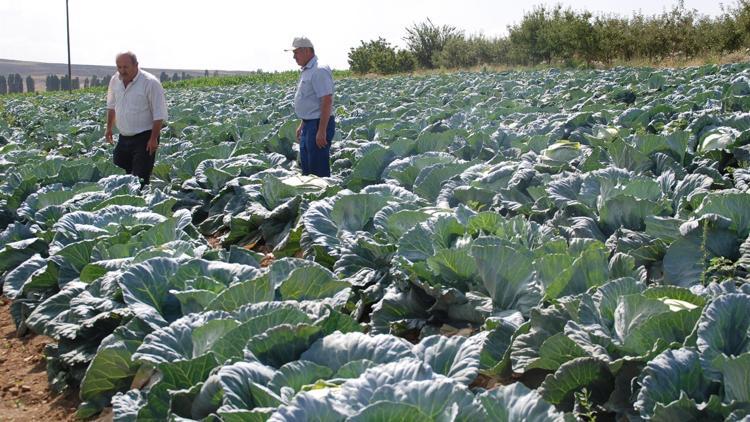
point(131, 155)
point(315, 160)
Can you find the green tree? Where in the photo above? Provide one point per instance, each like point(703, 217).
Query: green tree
point(612, 35)
point(529, 38)
point(405, 61)
point(53, 83)
point(378, 56)
point(3, 85)
point(733, 27)
point(15, 83)
point(30, 84)
point(426, 40)
point(458, 52)
point(490, 50)
point(741, 13)
point(566, 37)
point(359, 57)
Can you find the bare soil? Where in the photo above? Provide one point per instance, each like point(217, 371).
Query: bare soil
point(24, 391)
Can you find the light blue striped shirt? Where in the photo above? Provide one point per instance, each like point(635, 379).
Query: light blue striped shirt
point(314, 83)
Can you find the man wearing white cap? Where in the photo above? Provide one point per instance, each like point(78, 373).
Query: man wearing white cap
point(313, 103)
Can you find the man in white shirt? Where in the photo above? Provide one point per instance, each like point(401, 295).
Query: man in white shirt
point(313, 104)
point(136, 105)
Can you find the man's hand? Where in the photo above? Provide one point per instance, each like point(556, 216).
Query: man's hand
point(152, 145)
point(110, 123)
point(326, 103)
point(299, 132)
point(320, 139)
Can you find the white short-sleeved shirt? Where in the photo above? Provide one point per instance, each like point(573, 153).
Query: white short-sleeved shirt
point(137, 106)
point(315, 82)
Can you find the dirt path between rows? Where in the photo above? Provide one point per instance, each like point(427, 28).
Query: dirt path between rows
point(24, 392)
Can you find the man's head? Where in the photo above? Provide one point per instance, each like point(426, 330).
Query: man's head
point(127, 65)
point(303, 50)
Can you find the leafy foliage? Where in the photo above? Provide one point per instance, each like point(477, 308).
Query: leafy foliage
point(585, 250)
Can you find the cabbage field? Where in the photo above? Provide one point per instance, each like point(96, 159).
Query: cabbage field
point(514, 246)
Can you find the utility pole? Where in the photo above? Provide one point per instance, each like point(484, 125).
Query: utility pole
point(67, 23)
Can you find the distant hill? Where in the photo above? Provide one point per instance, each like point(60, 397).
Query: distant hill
point(39, 70)
point(87, 70)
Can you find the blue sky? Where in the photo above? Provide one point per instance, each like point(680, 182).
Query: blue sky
point(248, 35)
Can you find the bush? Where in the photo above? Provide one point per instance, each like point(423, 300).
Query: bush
point(378, 56)
point(565, 37)
point(458, 52)
point(405, 61)
point(477, 50)
point(491, 51)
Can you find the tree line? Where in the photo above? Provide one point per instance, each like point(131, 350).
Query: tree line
point(164, 77)
point(562, 36)
point(14, 83)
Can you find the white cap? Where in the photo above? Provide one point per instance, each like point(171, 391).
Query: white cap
point(301, 42)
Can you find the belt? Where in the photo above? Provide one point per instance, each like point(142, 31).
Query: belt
point(137, 134)
point(318, 119)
